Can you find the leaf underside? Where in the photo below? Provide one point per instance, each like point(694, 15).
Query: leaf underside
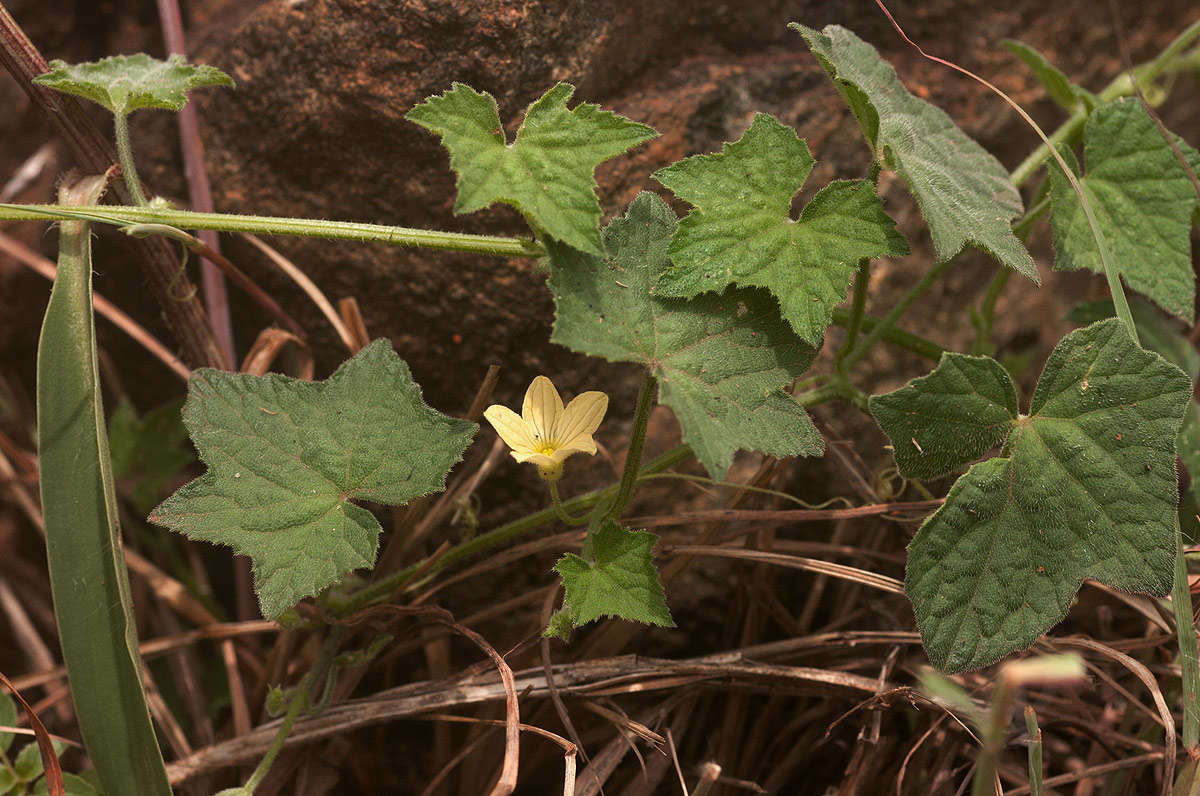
point(963, 192)
point(126, 83)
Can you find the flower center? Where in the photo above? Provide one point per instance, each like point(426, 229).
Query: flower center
point(547, 448)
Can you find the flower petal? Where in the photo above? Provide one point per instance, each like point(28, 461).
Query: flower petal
point(580, 420)
point(541, 410)
point(540, 459)
point(512, 429)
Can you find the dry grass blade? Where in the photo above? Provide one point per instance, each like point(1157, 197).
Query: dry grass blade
point(852, 574)
point(784, 516)
point(54, 777)
point(624, 674)
point(36, 262)
point(310, 289)
point(269, 344)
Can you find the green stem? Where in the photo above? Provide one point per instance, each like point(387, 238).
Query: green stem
point(519, 527)
point(1189, 658)
point(633, 458)
point(861, 278)
point(125, 154)
point(1121, 86)
point(985, 318)
point(1035, 751)
point(301, 699)
point(272, 225)
point(562, 512)
point(900, 337)
point(889, 320)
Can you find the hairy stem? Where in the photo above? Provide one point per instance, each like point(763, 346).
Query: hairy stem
point(861, 278)
point(633, 458)
point(125, 155)
point(271, 225)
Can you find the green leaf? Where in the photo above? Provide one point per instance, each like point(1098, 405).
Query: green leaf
point(126, 83)
point(149, 451)
point(741, 232)
point(1087, 490)
point(84, 552)
point(286, 458)
point(1156, 333)
point(72, 786)
point(963, 192)
point(1057, 85)
point(8, 780)
point(8, 718)
point(949, 418)
point(1143, 201)
point(721, 361)
point(547, 172)
point(29, 765)
point(621, 580)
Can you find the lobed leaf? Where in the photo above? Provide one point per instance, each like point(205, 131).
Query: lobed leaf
point(126, 83)
point(964, 193)
point(1156, 332)
point(1142, 198)
point(547, 172)
point(742, 233)
point(286, 458)
point(951, 417)
point(1088, 490)
point(721, 361)
point(148, 450)
point(620, 581)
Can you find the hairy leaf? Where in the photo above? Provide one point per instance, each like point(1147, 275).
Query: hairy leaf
point(8, 718)
point(1156, 332)
point(963, 192)
point(721, 361)
point(741, 232)
point(949, 418)
point(1087, 490)
point(126, 83)
point(286, 458)
point(547, 172)
point(620, 580)
point(1143, 200)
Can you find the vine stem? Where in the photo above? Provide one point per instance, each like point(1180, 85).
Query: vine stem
point(301, 700)
point(272, 225)
point(633, 458)
point(889, 320)
point(125, 155)
point(1189, 661)
point(562, 512)
point(854, 324)
point(498, 536)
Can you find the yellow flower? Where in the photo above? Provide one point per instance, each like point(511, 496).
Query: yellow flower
point(545, 433)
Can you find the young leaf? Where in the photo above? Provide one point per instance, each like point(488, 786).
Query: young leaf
point(148, 450)
point(1057, 85)
point(1087, 490)
point(721, 361)
point(963, 192)
point(949, 418)
point(29, 765)
point(1143, 200)
point(621, 581)
point(547, 172)
point(126, 83)
point(286, 458)
point(1156, 332)
point(741, 232)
